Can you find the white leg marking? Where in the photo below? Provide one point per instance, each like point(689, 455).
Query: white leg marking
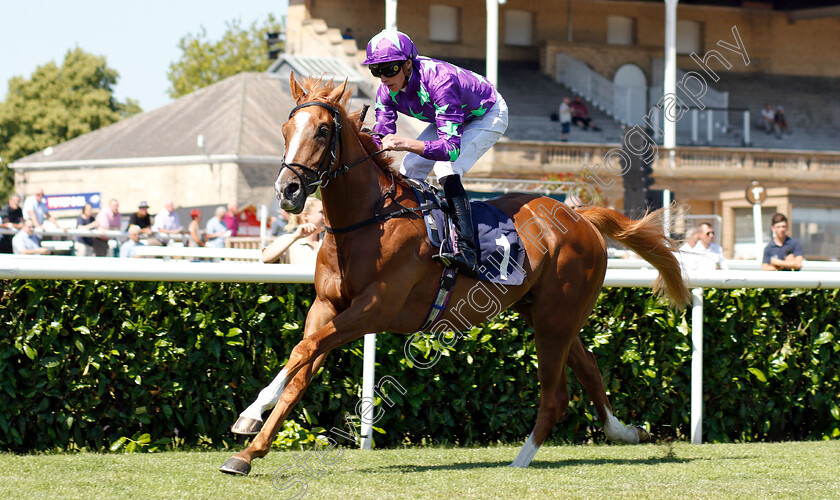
point(301, 120)
point(616, 431)
point(526, 454)
point(268, 397)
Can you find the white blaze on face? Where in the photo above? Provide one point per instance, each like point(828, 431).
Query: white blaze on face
point(301, 121)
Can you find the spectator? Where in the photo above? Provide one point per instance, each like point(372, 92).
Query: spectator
point(768, 119)
point(565, 119)
point(691, 237)
point(580, 115)
point(783, 253)
point(128, 249)
point(232, 218)
point(167, 221)
point(109, 218)
point(35, 209)
point(279, 224)
point(25, 243)
point(348, 34)
point(142, 219)
point(302, 245)
point(216, 231)
point(84, 244)
point(195, 229)
point(690, 259)
point(11, 217)
point(707, 248)
point(781, 123)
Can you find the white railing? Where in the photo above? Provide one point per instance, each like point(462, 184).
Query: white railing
point(82, 268)
point(733, 265)
point(167, 253)
point(601, 92)
point(95, 233)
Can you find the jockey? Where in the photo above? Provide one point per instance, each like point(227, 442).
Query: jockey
point(467, 115)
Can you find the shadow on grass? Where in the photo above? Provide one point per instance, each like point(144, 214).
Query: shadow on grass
point(541, 464)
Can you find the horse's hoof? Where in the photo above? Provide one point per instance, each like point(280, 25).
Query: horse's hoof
point(236, 466)
point(644, 435)
point(246, 426)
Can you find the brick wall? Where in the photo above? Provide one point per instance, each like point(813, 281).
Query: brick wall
point(774, 44)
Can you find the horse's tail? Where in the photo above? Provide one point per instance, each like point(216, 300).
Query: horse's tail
point(646, 237)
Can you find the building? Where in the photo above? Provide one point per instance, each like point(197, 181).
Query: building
point(733, 58)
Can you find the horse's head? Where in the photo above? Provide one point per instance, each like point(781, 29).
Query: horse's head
point(313, 135)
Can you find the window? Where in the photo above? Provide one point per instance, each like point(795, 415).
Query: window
point(688, 37)
point(817, 228)
point(443, 23)
point(621, 30)
point(519, 28)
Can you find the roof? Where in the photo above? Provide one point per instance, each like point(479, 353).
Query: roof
point(240, 116)
point(303, 66)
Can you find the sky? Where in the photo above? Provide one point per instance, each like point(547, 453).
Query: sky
point(139, 39)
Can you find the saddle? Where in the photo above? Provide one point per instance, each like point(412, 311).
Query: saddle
point(500, 252)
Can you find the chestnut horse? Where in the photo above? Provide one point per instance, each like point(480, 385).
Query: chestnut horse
point(376, 273)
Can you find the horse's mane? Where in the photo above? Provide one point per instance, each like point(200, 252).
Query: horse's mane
point(318, 90)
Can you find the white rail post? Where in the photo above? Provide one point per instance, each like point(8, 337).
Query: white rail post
point(368, 409)
point(697, 366)
point(747, 138)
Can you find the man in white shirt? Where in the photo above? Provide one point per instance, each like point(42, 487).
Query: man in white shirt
point(167, 221)
point(35, 209)
point(709, 249)
point(768, 117)
point(24, 243)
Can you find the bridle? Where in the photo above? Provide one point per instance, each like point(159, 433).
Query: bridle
point(324, 174)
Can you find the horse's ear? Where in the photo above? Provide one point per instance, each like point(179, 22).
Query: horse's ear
point(335, 95)
point(297, 91)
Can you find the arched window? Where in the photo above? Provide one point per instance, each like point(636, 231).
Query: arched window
point(519, 27)
point(443, 23)
point(621, 30)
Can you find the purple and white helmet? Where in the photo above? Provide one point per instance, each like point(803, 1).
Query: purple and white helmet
point(388, 46)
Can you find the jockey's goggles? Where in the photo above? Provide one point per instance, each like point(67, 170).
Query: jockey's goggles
point(387, 70)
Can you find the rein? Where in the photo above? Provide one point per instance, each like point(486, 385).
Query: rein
point(377, 217)
point(325, 175)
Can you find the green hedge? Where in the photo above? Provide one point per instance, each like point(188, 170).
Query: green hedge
point(87, 362)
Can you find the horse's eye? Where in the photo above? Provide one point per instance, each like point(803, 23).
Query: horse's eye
point(323, 131)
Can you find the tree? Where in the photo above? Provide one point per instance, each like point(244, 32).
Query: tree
point(205, 62)
point(57, 104)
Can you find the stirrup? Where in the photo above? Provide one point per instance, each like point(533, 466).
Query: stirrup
point(458, 261)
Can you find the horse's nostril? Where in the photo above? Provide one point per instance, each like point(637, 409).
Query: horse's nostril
point(291, 189)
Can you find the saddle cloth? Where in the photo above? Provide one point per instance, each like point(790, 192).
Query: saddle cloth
point(500, 252)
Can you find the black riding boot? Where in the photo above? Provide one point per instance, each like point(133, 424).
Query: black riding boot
point(465, 259)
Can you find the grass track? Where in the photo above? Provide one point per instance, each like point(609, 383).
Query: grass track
point(744, 471)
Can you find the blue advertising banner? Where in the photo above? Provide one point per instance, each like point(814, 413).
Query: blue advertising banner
point(73, 201)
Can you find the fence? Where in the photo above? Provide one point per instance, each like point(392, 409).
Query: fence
point(82, 268)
